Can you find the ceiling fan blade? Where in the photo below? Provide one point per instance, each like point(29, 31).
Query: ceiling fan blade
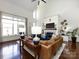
point(38, 2)
point(43, 1)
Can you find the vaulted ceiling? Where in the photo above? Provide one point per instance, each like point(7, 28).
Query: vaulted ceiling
point(25, 4)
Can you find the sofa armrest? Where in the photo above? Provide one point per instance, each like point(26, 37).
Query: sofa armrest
point(48, 50)
point(45, 52)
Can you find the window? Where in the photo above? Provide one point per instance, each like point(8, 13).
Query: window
point(21, 26)
point(15, 27)
point(7, 29)
point(12, 25)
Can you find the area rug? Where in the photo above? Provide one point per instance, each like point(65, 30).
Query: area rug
point(59, 52)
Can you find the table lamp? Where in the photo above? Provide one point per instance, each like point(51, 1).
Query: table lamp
point(36, 30)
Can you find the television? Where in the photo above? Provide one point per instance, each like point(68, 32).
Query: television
point(50, 25)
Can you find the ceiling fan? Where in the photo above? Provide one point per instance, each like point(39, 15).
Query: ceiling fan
point(39, 1)
point(43, 1)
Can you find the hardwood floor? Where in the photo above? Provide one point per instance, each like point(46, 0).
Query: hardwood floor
point(71, 51)
point(12, 51)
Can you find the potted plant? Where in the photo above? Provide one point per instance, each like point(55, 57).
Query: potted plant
point(73, 34)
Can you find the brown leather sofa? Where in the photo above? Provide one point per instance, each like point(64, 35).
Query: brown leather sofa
point(50, 47)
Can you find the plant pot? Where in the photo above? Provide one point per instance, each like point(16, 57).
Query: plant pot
point(73, 39)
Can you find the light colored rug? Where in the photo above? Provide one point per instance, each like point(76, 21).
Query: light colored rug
point(55, 57)
point(59, 51)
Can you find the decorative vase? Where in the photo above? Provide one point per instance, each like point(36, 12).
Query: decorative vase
point(36, 40)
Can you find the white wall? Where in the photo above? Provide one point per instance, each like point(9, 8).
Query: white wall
point(14, 9)
point(66, 9)
point(8, 7)
point(10, 38)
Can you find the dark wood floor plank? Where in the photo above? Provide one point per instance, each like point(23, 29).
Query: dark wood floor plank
point(12, 50)
point(71, 51)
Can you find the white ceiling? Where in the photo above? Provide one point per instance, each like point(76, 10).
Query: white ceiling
point(26, 4)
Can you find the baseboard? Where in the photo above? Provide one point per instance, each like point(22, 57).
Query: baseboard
point(3, 42)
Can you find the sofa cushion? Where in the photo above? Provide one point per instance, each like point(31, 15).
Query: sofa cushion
point(57, 38)
point(51, 41)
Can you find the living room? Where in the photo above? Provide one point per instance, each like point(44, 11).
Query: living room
point(43, 17)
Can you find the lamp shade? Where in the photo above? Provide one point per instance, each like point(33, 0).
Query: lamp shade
point(36, 30)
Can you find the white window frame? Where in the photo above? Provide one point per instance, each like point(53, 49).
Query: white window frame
point(19, 19)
